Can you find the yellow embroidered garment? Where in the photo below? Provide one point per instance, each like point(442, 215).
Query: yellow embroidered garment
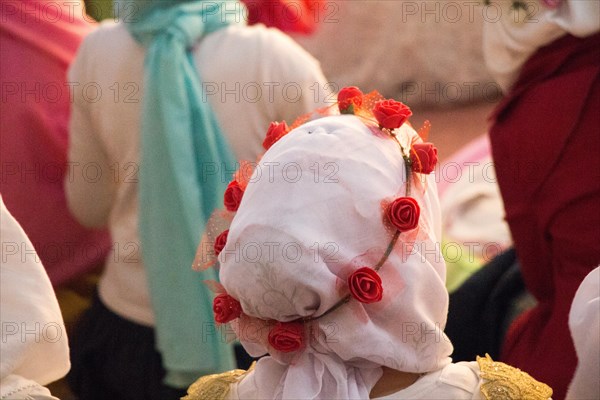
point(503, 382)
point(215, 387)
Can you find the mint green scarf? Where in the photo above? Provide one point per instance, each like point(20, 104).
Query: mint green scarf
point(181, 147)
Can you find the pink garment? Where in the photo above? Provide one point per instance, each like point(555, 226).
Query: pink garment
point(38, 40)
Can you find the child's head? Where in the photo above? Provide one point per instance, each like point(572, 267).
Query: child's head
point(333, 253)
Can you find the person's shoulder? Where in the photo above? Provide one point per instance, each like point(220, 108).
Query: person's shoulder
point(463, 376)
point(502, 381)
point(216, 386)
point(109, 36)
point(110, 33)
point(258, 33)
point(110, 41)
point(264, 42)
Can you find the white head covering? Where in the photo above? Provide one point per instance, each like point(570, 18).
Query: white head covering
point(34, 343)
point(584, 322)
point(311, 215)
point(511, 36)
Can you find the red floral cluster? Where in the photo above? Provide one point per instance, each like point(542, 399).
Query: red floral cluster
point(287, 337)
point(226, 308)
point(403, 213)
point(231, 199)
point(220, 242)
point(284, 336)
point(391, 114)
point(233, 196)
point(423, 158)
point(349, 98)
point(365, 285)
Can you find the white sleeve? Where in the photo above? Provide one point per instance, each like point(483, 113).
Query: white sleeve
point(15, 387)
point(88, 185)
point(34, 340)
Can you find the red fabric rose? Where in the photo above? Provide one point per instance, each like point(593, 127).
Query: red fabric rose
point(276, 131)
point(423, 157)
point(233, 196)
point(287, 336)
point(348, 98)
point(226, 308)
point(391, 114)
point(365, 285)
point(220, 242)
point(404, 213)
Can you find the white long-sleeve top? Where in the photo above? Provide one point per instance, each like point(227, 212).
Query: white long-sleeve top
point(251, 76)
point(34, 349)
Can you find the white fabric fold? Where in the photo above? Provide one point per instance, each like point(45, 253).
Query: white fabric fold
point(584, 323)
point(274, 380)
point(510, 37)
point(34, 343)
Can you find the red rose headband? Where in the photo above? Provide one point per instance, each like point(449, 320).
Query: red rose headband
point(400, 215)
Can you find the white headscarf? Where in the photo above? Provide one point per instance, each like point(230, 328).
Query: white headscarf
point(311, 214)
point(511, 36)
point(34, 343)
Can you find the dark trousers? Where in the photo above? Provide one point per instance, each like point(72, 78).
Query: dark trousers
point(115, 359)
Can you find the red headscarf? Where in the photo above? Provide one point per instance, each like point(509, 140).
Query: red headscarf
point(291, 16)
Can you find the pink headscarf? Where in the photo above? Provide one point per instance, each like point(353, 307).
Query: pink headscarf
point(311, 214)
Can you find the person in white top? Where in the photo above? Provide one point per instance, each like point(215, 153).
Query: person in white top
point(343, 293)
point(249, 77)
point(34, 350)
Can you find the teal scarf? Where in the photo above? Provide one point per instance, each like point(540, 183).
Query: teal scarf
point(181, 147)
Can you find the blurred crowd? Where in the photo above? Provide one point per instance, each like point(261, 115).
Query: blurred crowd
point(119, 139)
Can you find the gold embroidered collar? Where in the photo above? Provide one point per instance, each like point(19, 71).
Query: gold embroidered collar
point(503, 382)
point(217, 386)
